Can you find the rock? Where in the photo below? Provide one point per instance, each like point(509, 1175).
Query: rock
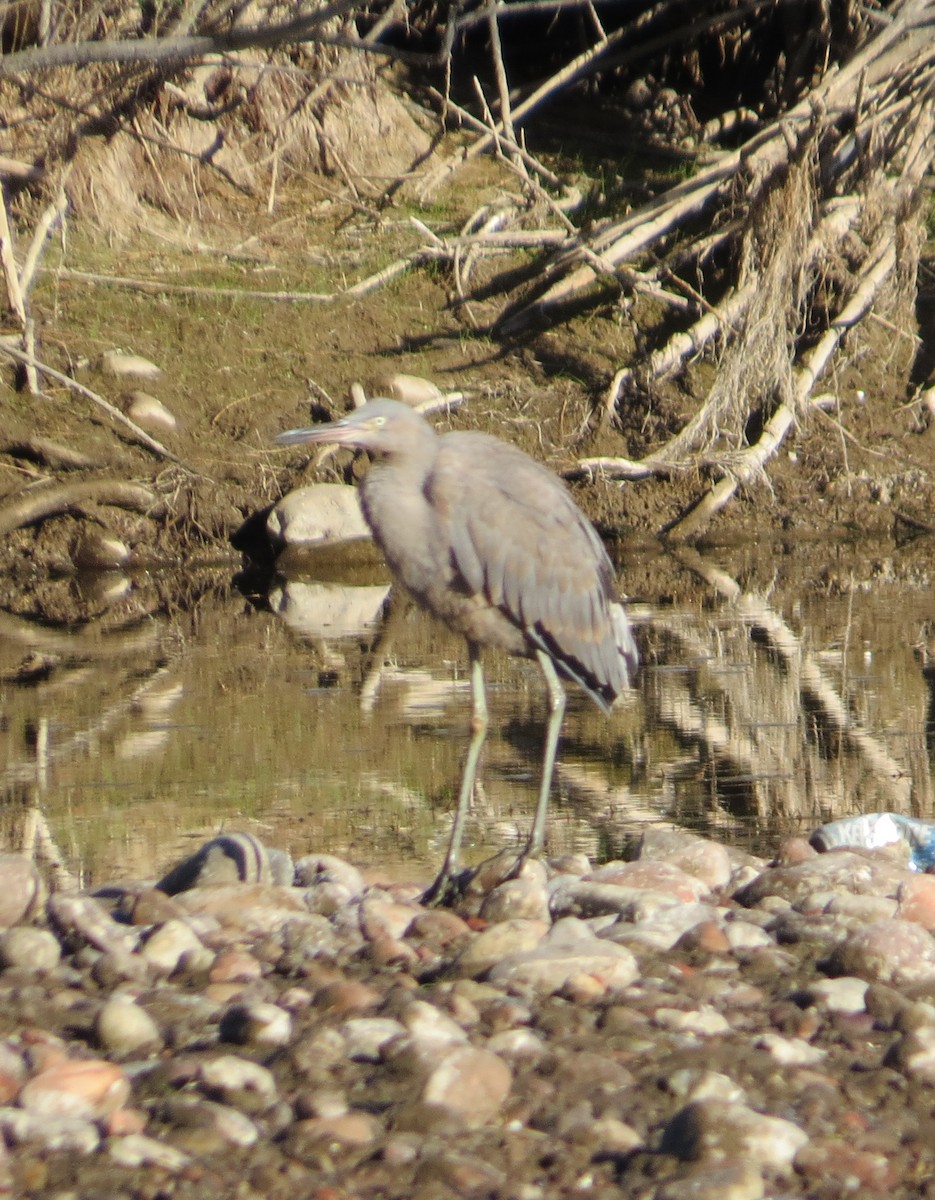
point(790, 1052)
point(498, 942)
point(28, 948)
point(524, 897)
point(96, 550)
point(595, 898)
point(900, 952)
point(407, 389)
point(691, 1084)
point(235, 966)
point(846, 994)
point(382, 917)
point(231, 1077)
point(255, 909)
point(21, 889)
point(346, 1129)
point(668, 925)
point(137, 1150)
point(916, 900)
point(863, 872)
point(517, 1044)
point(699, 857)
point(367, 1036)
point(229, 858)
point(568, 950)
point(471, 1084)
point(733, 1181)
point(256, 1024)
point(124, 1028)
point(320, 514)
point(835, 1167)
point(169, 944)
point(82, 1089)
point(65, 1134)
point(718, 1131)
point(232, 1127)
point(657, 876)
point(149, 413)
point(702, 1022)
point(124, 366)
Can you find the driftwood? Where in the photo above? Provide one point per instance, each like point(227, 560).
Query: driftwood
point(44, 502)
point(817, 207)
point(838, 141)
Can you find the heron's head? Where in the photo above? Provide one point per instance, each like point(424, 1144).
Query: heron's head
point(384, 427)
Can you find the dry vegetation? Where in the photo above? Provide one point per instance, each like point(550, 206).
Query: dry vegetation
point(780, 243)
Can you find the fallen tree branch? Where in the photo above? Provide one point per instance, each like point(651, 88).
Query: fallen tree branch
point(182, 48)
point(46, 502)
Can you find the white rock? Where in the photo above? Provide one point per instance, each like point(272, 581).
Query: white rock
point(517, 1043)
point(257, 1023)
point(703, 1022)
point(320, 514)
point(717, 1131)
point(847, 994)
point(407, 389)
point(744, 935)
point(168, 945)
point(430, 1028)
point(568, 950)
point(137, 1150)
point(99, 551)
point(35, 949)
point(115, 362)
point(367, 1036)
point(149, 413)
point(70, 1134)
point(229, 1074)
point(791, 1052)
point(689, 1083)
point(123, 1027)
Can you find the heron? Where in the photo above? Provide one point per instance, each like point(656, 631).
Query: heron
point(491, 543)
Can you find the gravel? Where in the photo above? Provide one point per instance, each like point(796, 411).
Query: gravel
point(689, 1023)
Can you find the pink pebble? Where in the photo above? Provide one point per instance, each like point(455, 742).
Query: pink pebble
point(87, 1089)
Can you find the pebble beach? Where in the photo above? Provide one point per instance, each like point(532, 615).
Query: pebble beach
point(690, 1022)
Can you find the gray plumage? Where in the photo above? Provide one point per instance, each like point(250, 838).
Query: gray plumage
point(491, 543)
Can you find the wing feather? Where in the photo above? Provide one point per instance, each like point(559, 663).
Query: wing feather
point(517, 538)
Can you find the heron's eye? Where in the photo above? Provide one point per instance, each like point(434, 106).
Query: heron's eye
point(378, 422)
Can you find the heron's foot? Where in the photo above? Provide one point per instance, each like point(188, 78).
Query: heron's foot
point(444, 892)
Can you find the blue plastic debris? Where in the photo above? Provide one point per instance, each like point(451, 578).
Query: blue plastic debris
point(870, 831)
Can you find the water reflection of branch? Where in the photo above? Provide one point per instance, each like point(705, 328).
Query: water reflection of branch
point(89, 643)
point(35, 767)
point(813, 687)
point(38, 842)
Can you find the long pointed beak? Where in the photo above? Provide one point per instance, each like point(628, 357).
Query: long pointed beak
point(292, 437)
point(315, 433)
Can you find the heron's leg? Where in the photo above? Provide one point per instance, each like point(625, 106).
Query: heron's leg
point(553, 728)
point(437, 893)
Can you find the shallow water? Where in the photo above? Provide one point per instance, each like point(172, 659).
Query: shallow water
point(782, 686)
